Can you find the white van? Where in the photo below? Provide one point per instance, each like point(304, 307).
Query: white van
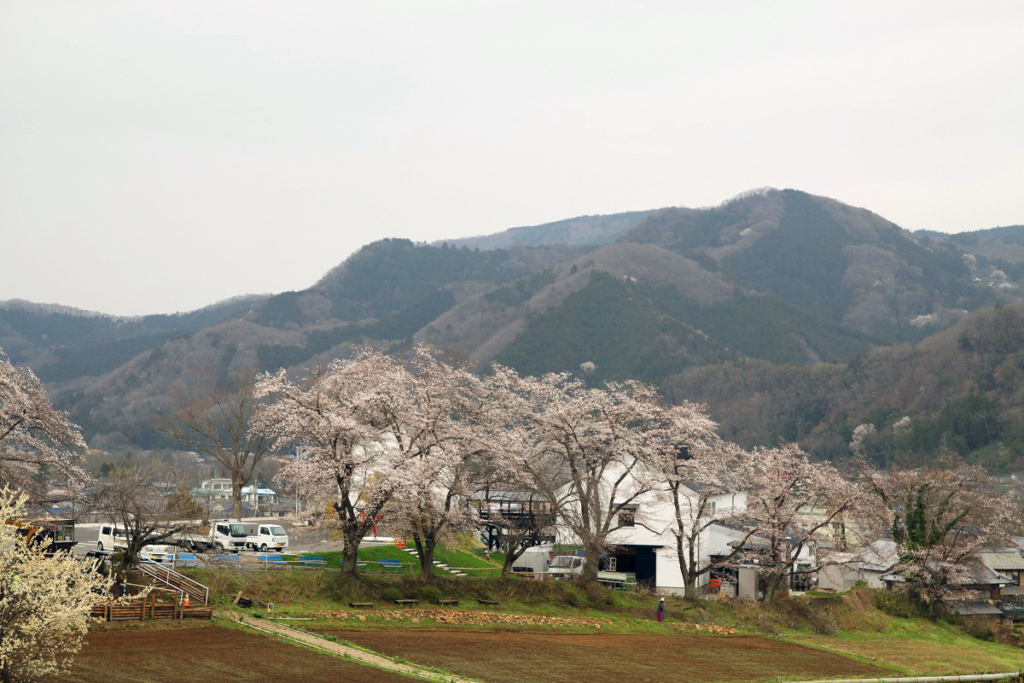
point(264, 537)
point(111, 538)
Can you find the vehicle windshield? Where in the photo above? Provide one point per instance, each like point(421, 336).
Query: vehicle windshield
point(277, 531)
point(563, 562)
point(238, 531)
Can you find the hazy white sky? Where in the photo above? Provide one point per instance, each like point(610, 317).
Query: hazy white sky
point(160, 156)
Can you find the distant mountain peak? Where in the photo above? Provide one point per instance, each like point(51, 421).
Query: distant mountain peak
point(60, 309)
point(57, 309)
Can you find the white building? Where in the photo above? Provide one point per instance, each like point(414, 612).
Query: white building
point(219, 489)
point(843, 570)
point(645, 542)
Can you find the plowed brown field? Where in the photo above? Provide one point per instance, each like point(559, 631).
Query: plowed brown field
point(518, 657)
point(207, 654)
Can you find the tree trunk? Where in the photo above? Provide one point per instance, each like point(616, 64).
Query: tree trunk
point(506, 567)
point(686, 565)
point(353, 537)
point(425, 550)
point(771, 589)
point(514, 548)
point(236, 499)
point(690, 582)
point(591, 562)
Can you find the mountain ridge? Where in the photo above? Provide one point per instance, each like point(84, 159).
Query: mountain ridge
point(778, 277)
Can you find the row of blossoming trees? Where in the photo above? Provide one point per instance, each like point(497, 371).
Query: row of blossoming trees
point(410, 442)
point(407, 444)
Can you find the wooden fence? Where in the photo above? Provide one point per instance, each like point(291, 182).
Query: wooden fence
point(146, 610)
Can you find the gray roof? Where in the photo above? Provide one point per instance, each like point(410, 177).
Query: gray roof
point(984, 575)
point(880, 556)
point(1003, 561)
point(978, 575)
point(976, 608)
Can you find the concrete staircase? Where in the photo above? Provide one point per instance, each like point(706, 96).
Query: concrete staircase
point(437, 565)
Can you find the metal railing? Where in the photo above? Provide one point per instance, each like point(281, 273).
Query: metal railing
point(164, 573)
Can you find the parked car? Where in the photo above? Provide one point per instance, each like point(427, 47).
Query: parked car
point(111, 538)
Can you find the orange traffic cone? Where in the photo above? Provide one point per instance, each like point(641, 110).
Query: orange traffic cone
point(184, 600)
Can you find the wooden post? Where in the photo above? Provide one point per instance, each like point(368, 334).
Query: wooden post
point(106, 611)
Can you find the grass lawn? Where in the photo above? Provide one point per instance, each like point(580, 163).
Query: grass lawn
point(470, 562)
point(918, 647)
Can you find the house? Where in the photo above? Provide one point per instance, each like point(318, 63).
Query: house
point(982, 587)
point(259, 497)
point(215, 496)
point(1009, 564)
point(869, 564)
point(215, 489)
point(644, 544)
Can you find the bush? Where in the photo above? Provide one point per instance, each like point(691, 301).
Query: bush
point(391, 594)
point(900, 604)
point(817, 613)
point(573, 596)
point(430, 593)
point(978, 629)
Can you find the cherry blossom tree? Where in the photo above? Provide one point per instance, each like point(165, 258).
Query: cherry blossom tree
point(432, 415)
point(44, 601)
point(697, 468)
point(795, 503)
point(940, 517)
point(515, 495)
point(337, 417)
point(35, 439)
point(588, 451)
point(399, 441)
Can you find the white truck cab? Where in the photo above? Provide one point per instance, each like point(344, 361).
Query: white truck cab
point(566, 567)
point(228, 535)
point(265, 537)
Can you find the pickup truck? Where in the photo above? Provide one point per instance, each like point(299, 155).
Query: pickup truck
point(265, 537)
point(568, 566)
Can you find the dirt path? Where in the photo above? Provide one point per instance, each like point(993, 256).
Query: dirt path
point(352, 653)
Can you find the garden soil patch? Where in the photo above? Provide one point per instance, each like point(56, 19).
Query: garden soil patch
point(516, 657)
point(207, 654)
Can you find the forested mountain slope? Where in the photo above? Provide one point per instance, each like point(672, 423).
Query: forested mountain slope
point(773, 289)
point(961, 390)
point(584, 230)
point(62, 343)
